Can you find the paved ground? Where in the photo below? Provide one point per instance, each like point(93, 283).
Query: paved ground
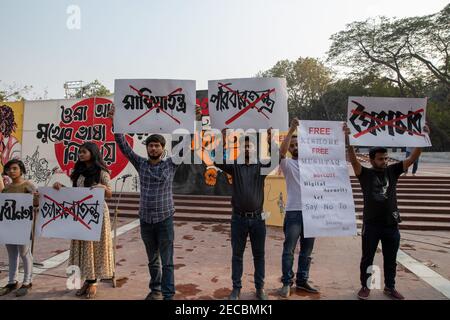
point(203, 258)
point(202, 263)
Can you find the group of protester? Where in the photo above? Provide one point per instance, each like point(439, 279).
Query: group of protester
point(156, 213)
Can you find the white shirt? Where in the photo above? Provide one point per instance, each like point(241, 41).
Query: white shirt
point(291, 172)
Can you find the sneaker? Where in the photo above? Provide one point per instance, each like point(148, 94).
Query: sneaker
point(154, 295)
point(8, 288)
point(23, 290)
point(285, 291)
point(235, 294)
point(394, 294)
point(306, 287)
point(364, 293)
point(261, 294)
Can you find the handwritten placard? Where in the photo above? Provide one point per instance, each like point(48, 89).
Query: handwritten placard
point(16, 218)
point(387, 122)
point(327, 201)
point(71, 213)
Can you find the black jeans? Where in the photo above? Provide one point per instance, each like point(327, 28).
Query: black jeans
point(158, 241)
point(241, 227)
point(390, 242)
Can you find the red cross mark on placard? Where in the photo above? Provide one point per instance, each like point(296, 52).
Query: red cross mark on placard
point(158, 105)
point(390, 123)
point(250, 105)
point(66, 210)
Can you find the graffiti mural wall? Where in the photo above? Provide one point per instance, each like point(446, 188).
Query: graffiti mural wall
point(53, 131)
point(11, 125)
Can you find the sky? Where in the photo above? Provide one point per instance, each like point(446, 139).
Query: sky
point(46, 42)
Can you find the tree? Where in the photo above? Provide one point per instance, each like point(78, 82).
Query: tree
point(14, 92)
point(307, 79)
point(92, 89)
point(412, 52)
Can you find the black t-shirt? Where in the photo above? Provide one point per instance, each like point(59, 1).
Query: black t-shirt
point(248, 186)
point(380, 194)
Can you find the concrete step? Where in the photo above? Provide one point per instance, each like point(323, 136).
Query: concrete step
point(419, 225)
point(421, 192)
point(178, 202)
point(419, 217)
point(188, 216)
point(133, 211)
point(413, 196)
point(419, 202)
point(414, 209)
point(413, 186)
point(410, 177)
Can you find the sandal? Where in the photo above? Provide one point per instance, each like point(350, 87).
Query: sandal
point(91, 291)
point(82, 290)
point(23, 290)
point(8, 288)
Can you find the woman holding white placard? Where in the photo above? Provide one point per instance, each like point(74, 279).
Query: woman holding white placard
point(15, 169)
point(94, 258)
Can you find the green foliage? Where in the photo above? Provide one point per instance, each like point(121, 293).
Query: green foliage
point(93, 89)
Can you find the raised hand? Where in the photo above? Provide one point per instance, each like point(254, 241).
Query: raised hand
point(111, 112)
point(57, 186)
point(294, 123)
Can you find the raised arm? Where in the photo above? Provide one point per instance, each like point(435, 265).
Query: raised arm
point(287, 140)
point(351, 152)
point(412, 158)
point(415, 154)
point(134, 158)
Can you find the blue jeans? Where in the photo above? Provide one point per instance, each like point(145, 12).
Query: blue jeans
point(390, 242)
point(158, 240)
point(241, 227)
point(293, 231)
point(24, 252)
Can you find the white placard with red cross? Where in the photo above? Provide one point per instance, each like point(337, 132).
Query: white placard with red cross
point(387, 122)
point(70, 213)
point(252, 103)
point(16, 218)
point(154, 105)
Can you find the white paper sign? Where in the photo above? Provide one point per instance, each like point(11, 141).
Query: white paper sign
point(253, 103)
point(16, 218)
point(71, 213)
point(387, 122)
point(327, 199)
point(154, 106)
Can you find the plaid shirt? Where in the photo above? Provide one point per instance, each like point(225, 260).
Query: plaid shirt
point(156, 198)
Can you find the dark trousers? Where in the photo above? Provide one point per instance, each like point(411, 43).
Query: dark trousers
point(241, 227)
point(390, 242)
point(158, 240)
point(293, 231)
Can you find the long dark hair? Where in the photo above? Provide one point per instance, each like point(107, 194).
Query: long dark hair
point(91, 174)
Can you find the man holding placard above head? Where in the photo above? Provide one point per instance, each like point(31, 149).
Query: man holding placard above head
point(156, 209)
point(248, 104)
point(248, 218)
point(380, 213)
point(293, 221)
point(144, 106)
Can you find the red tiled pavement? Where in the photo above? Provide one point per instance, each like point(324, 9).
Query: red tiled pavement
point(202, 263)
